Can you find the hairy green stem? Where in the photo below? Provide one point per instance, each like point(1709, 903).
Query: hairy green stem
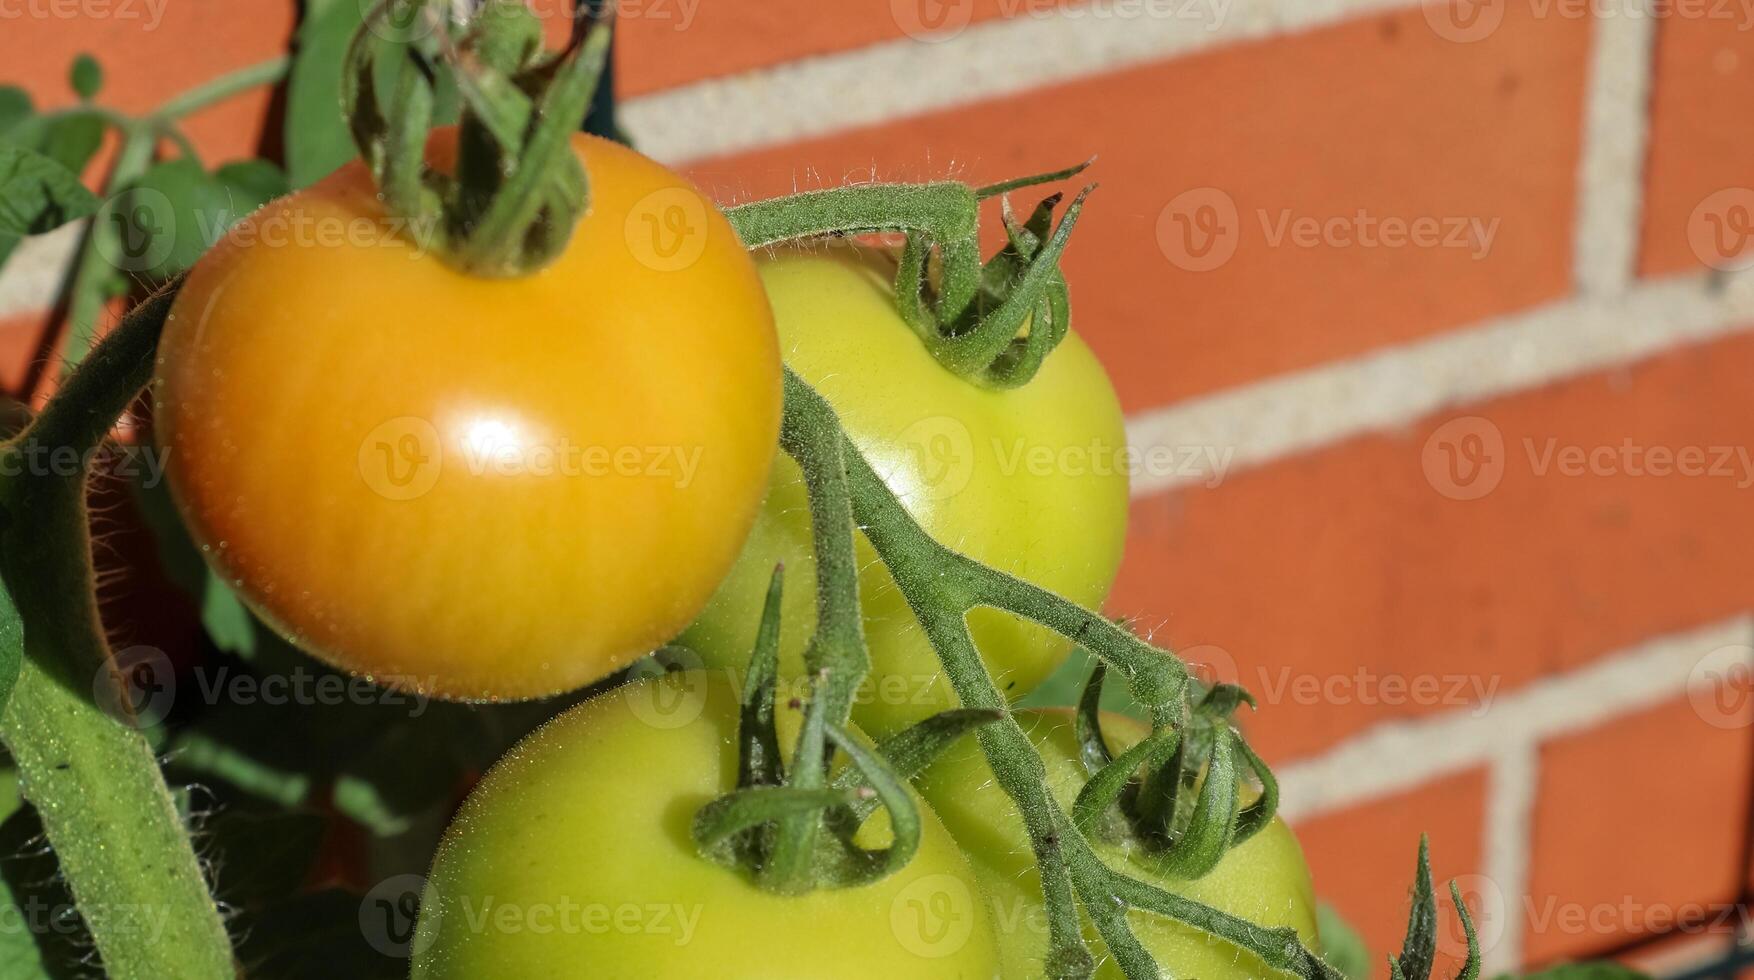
point(102, 241)
point(92, 777)
point(268, 72)
point(941, 586)
point(835, 657)
point(139, 143)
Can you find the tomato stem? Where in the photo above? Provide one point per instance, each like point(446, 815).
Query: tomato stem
point(518, 190)
point(140, 136)
point(69, 726)
point(970, 314)
point(941, 587)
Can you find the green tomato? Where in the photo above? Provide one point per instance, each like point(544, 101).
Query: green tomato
point(1265, 880)
point(1032, 481)
point(573, 859)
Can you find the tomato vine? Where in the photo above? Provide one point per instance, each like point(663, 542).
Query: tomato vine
point(114, 824)
point(95, 780)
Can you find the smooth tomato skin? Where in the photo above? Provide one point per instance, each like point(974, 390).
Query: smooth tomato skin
point(1029, 481)
point(1265, 880)
point(475, 488)
point(594, 810)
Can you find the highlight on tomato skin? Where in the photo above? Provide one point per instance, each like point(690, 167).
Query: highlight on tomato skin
point(1031, 480)
point(563, 865)
point(468, 487)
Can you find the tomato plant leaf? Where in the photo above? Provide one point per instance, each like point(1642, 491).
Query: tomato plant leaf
point(317, 140)
point(252, 183)
point(15, 107)
point(170, 216)
point(37, 194)
point(11, 645)
point(68, 138)
point(1342, 946)
point(86, 77)
point(228, 623)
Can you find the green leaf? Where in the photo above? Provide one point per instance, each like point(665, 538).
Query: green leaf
point(169, 217)
point(37, 194)
point(87, 76)
point(15, 107)
point(69, 138)
point(1342, 946)
point(11, 645)
point(252, 183)
point(317, 139)
point(228, 623)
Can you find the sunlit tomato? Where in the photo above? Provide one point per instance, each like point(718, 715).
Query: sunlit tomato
point(1032, 481)
point(573, 859)
point(1264, 880)
point(478, 488)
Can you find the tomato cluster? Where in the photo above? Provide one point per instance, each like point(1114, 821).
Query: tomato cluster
point(495, 489)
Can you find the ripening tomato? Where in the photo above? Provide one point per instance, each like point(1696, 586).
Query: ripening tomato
point(1032, 481)
point(1265, 880)
point(573, 859)
point(476, 488)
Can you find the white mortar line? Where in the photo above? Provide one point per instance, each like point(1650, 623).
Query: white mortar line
point(1611, 170)
point(895, 79)
point(33, 276)
point(1267, 420)
point(1398, 756)
point(1512, 785)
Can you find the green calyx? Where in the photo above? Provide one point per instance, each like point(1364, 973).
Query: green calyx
point(517, 190)
point(991, 323)
point(1183, 811)
point(793, 829)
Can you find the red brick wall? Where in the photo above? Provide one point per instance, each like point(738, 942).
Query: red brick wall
point(1521, 652)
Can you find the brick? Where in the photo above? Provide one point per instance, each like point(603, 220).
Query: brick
point(1666, 791)
point(1348, 568)
point(1403, 125)
point(1704, 74)
point(1363, 859)
point(671, 42)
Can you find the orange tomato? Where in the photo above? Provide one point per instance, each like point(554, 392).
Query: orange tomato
point(474, 488)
